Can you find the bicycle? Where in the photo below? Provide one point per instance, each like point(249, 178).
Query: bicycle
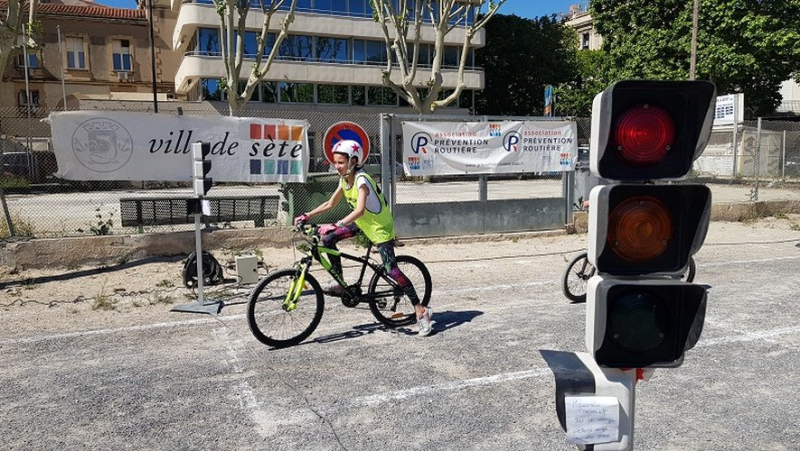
point(579, 271)
point(286, 306)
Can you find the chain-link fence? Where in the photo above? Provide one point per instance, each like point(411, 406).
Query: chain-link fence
point(758, 160)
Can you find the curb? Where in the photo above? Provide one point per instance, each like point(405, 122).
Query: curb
point(119, 249)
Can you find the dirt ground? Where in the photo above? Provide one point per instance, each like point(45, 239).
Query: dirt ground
point(59, 300)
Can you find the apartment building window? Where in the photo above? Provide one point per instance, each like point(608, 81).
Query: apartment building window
point(296, 92)
point(358, 95)
point(33, 60)
point(333, 94)
point(451, 56)
point(584, 41)
point(33, 101)
point(358, 8)
point(121, 49)
point(76, 56)
point(331, 50)
point(298, 47)
point(381, 95)
point(208, 42)
point(211, 89)
point(375, 51)
point(269, 92)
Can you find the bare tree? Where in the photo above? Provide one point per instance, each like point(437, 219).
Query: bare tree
point(11, 28)
point(232, 17)
point(402, 22)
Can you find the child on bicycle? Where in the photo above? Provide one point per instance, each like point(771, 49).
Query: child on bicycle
point(370, 215)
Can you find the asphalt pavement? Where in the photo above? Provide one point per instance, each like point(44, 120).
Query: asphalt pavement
point(179, 381)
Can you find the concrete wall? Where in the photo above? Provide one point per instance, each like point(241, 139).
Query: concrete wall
point(469, 218)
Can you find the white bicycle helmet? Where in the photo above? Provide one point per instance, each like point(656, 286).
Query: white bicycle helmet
point(351, 149)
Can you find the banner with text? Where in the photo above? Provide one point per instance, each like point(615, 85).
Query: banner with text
point(448, 148)
point(114, 145)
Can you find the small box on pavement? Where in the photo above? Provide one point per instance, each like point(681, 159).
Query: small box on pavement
point(247, 268)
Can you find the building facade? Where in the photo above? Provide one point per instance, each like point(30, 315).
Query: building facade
point(334, 56)
point(86, 51)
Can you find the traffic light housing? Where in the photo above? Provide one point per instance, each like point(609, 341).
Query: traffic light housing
point(646, 323)
point(647, 130)
point(642, 233)
point(647, 229)
point(201, 167)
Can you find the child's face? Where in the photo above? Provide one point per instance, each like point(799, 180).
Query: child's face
point(340, 163)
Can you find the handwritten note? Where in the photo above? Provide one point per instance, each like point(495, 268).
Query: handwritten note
point(592, 419)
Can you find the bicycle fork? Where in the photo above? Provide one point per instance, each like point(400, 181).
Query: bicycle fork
point(296, 287)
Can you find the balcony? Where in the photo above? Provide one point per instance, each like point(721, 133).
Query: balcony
point(194, 15)
point(198, 65)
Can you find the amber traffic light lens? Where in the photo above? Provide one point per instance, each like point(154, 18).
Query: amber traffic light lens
point(640, 228)
point(644, 134)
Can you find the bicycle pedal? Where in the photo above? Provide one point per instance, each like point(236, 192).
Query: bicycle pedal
point(398, 315)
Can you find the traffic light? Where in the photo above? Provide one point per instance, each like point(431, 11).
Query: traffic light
point(642, 232)
point(201, 168)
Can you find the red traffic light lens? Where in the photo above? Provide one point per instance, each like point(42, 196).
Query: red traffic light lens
point(640, 228)
point(644, 134)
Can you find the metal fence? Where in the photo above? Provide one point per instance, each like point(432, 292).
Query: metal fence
point(758, 160)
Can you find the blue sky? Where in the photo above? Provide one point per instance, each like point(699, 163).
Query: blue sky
point(522, 8)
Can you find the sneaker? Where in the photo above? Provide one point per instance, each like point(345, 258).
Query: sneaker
point(424, 322)
point(332, 287)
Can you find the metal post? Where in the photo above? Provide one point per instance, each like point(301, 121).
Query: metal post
point(387, 159)
point(198, 247)
point(568, 192)
point(758, 160)
point(783, 158)
point(734, 175)
point(693, 58)
point(153, 56)
point(61, 65)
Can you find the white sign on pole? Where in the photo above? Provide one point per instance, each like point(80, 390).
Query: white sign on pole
point(729, 109)
point(592, 419)
point(448, 148)
point(114, 145)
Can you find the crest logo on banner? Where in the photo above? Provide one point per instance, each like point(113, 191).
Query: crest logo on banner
point(102, 144)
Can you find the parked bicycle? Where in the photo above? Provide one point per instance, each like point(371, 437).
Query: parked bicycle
point(286, 306)
point(579, 271)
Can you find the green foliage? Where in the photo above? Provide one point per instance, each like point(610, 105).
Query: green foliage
point(103, 225)
point(521, 57)
point(744, 46)
point(595, 73)
point(11, 181)
point(22, 226)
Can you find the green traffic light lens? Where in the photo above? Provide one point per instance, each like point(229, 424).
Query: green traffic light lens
point(636, 321)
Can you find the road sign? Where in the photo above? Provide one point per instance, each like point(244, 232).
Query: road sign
point(345, 130)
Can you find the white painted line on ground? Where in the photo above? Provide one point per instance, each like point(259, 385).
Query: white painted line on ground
point(111, 331)
point(383, 398)
point(746, 262)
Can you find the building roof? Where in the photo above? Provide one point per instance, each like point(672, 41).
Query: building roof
point(84, 9)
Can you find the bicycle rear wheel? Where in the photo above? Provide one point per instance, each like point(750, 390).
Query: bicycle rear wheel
point(272, 321)
point(576, 277)
point(388, 303)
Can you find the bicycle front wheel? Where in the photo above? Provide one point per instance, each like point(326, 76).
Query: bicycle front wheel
point(389, 303)
point(278, 320)
point(576, 277)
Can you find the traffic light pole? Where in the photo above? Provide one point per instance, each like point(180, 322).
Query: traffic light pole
point(201, 184)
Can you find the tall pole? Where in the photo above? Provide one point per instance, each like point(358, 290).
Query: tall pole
point(693, 58)
point(61, 64)
point(153, 56)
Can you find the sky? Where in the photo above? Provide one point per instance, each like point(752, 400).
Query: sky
point(522, 8)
